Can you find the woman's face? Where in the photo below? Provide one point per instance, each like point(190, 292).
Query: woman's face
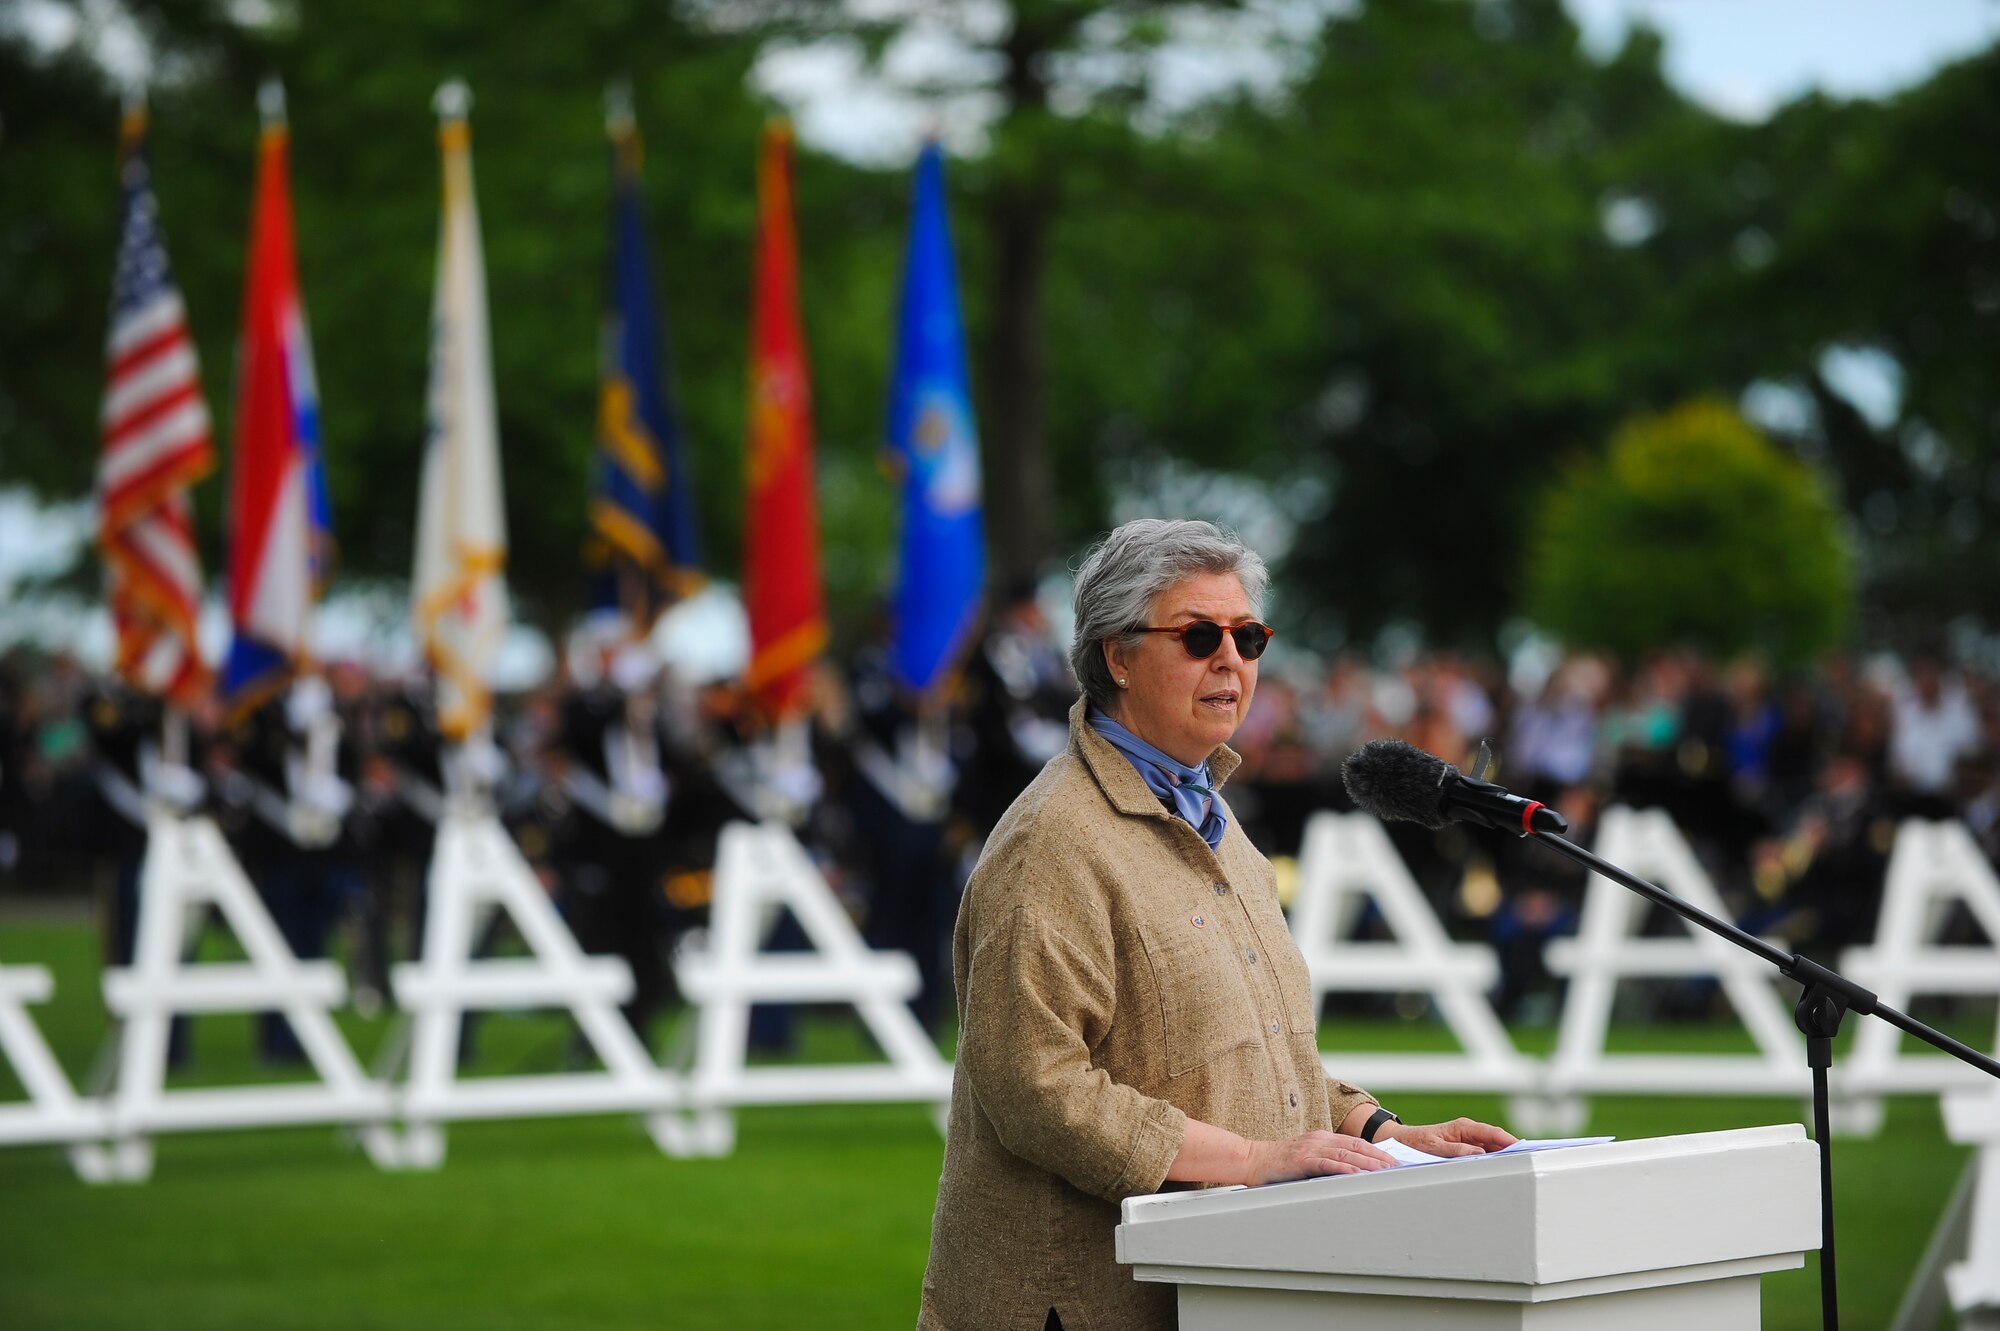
point(1180, 705)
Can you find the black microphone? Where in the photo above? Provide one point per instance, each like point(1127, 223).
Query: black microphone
point(1398, 782)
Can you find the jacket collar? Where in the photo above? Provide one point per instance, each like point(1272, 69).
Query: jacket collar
point(1119, 780)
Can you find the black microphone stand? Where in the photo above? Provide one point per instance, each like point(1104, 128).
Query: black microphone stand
point(1828, 997)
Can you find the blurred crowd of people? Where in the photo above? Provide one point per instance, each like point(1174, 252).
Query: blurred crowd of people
point(616, 778)
point(1788, 788)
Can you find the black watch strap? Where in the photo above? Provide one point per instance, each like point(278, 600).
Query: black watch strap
point(1378, 1120)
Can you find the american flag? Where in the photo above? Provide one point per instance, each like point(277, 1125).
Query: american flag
point(156, 444)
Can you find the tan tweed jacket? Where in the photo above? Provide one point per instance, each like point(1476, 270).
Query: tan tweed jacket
point(1115, 976)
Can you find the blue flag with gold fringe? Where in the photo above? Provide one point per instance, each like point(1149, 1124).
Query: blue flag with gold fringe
point(643, 550)
point(935, 452)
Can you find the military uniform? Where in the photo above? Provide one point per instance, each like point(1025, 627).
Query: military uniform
point(130, 778)
point(900, 799)
point(300, 837)
point(613, 773)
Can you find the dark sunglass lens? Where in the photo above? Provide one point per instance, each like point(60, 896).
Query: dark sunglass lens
point(1251, 640)
point(1202, 638)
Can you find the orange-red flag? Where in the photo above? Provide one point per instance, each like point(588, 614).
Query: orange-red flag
point(781, 586)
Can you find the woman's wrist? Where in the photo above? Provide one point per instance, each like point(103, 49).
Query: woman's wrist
point(1209, 1154)
point(1246, 1164)
point(1379, 1123)
point(1352, 1123)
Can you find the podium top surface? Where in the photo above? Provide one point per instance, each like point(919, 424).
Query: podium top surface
point(1534, 1218)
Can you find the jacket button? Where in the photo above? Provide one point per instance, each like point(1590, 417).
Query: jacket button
point(1222, 889)
point(1294, 1098)
point(1274, 1028)
point(1251, 953)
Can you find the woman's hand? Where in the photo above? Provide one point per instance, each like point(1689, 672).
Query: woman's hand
point(1210, 1154)
point(1311, 1154)
point(1461, 1136)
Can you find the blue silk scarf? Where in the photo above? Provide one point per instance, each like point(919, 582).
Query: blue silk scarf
point(1189, 791)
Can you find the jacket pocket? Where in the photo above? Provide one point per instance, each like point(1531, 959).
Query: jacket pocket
point(1288, 967)
point(1205, 1004)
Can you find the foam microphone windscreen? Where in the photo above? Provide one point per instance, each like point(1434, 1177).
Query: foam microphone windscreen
point(1397, 782)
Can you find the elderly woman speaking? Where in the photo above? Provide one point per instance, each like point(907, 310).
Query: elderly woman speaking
point(1131, 1008)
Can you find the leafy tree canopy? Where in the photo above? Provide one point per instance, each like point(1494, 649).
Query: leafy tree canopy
point(1393, 292)
point(1692, 529)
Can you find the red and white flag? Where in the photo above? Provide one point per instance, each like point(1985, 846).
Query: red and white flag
point(156, 445)
point(280, 530)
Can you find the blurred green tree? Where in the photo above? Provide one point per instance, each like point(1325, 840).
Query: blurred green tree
point(1692, 529)
point(1393, 288)
point(1891, 247)
point(58, 200)
point(1400, 289)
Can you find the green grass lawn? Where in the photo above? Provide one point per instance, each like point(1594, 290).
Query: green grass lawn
point(820, 1218)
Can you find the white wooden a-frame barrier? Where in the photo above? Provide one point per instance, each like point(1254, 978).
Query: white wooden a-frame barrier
point(476, 868)
point(188, 867)
point(53, 1111)
point(1933, 867)
point(1608, 948)
point(1347, 859)
point(1974, 1282)
point(760, 868)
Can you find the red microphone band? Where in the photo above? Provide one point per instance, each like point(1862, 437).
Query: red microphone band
point(1527, 817)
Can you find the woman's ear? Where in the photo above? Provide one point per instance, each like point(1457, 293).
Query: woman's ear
point(1118, 659)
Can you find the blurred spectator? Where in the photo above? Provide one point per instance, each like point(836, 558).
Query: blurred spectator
point(1017, 692)
point(1337, 718)
point(1553, 741)
point(1823, 879)
point(1933, 726)
point(16, 807)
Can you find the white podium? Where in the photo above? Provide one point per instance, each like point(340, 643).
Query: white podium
point(1659, 1234)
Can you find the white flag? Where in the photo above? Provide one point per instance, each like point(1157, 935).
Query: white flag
point(460, 592)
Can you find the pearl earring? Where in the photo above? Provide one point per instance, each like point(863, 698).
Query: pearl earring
point(1121, 681)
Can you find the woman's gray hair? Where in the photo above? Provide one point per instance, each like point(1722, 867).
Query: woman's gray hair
point(1125, 573)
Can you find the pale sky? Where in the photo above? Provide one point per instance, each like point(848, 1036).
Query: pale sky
point(1746, 57)
point(1742, 58)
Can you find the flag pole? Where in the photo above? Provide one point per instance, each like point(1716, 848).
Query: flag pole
point(632, 596)
point(271, 101)
point(133, 105)
point(271, 114)
point(173, 717)
point(459, 595)
point(618, 126)
point(618, 117)
point(453, 100)
point(174, 735)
